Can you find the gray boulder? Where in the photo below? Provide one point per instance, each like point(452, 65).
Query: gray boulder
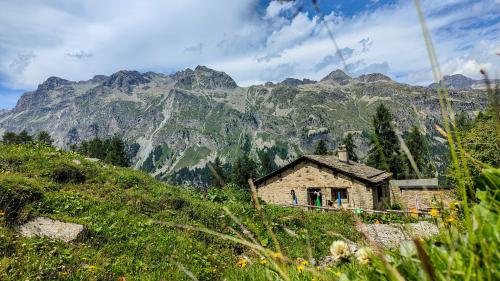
point(56, 229)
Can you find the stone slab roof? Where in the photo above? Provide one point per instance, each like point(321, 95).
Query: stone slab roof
point(431, 183)
point(356, 170)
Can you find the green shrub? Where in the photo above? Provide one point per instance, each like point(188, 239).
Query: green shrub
point(67, 173)
point(15, 193)
point(128, 180)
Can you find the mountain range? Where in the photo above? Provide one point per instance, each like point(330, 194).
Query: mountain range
point(175, 124)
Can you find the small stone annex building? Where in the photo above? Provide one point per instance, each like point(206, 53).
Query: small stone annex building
point(326, 177)
point(419, 193)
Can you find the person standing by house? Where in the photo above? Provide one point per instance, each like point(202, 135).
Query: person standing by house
point(294, 198)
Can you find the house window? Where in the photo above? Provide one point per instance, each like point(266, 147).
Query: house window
point(313, 195)
point(343, 193)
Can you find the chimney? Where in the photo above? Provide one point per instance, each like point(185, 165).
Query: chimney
point(342, 153)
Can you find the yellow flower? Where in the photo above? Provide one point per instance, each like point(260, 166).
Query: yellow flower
point(91, 268)
point(377, 222)
point(313, 279)
point(214, 270)
point(450, 219)
point(242, 263)
point(263, 261)
point(318, 268)
point(2, 214)
point(338, 273)
point(414, 212)
point(434, 212)
point(300, 268)
point(277, 255)
point(453, 205)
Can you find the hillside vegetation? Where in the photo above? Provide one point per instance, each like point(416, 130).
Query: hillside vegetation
point(131, 222)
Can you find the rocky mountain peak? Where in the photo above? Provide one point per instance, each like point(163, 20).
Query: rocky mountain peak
point(125, 79)
point(205, 78)
point(337, 76)
point(455, 81)
point(373, 77)
point(52, 83)
point(296, 82)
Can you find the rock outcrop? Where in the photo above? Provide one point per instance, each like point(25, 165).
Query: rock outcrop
point(55, 229)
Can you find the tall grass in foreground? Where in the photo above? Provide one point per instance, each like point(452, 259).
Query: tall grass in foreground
point(466, 250)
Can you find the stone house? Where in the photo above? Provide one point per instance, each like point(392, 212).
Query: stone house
point(419, 193)
point(324, 180)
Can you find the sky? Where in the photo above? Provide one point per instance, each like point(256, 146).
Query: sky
point(254, 41)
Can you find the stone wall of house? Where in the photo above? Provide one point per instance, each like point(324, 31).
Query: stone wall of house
point(304, 175)
point(425, 198)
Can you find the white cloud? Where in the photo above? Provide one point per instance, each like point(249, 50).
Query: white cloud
point(76, 40)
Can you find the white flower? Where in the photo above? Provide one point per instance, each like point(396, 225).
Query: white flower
point(363, 256)
point(340, 250)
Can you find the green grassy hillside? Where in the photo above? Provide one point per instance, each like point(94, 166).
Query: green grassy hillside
point(130, 220)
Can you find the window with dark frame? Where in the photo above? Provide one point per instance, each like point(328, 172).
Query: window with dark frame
point(343, 193)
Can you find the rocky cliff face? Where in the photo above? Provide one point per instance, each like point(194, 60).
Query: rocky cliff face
point(175, 124)
point(461, 82)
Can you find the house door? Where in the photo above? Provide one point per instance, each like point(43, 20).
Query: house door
point(313, 195)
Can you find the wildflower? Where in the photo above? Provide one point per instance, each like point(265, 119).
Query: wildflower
point(377, 222)
point(263, 261)
point(454, 205)
point(91, 268)
point(242, 263)
point(2, 214)
point(414, 212)
point(313, 279)
point(363, 256)
point(300, 268)
point(277, 256)
point(340, 250)
point(450, 219)
point(338, 273)
point(434, 212)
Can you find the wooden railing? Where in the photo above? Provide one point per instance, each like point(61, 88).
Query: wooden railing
point(333, 209)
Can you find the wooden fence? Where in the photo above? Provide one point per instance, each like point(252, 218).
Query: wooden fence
point(333, 209)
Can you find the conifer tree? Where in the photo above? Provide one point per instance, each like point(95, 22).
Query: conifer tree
point(350, 146)
point(115, 153)
point(266, 164)
point(321, 148)
point(218, 175)
point(9, 138)
point(385, 152)
point(244, 169)
point(24, 138)
point(44, 138)
point(419, 150)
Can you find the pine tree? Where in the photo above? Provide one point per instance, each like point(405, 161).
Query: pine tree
point(244, 169)
point(321, 148)
point(9, 138)
point(350, 146)
point(115, 153)
point(24, 138)
point(385, 152)
point(463, 122)
point(218, 178)
point(419, 150)
point(266, 164)
point(44, 138)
